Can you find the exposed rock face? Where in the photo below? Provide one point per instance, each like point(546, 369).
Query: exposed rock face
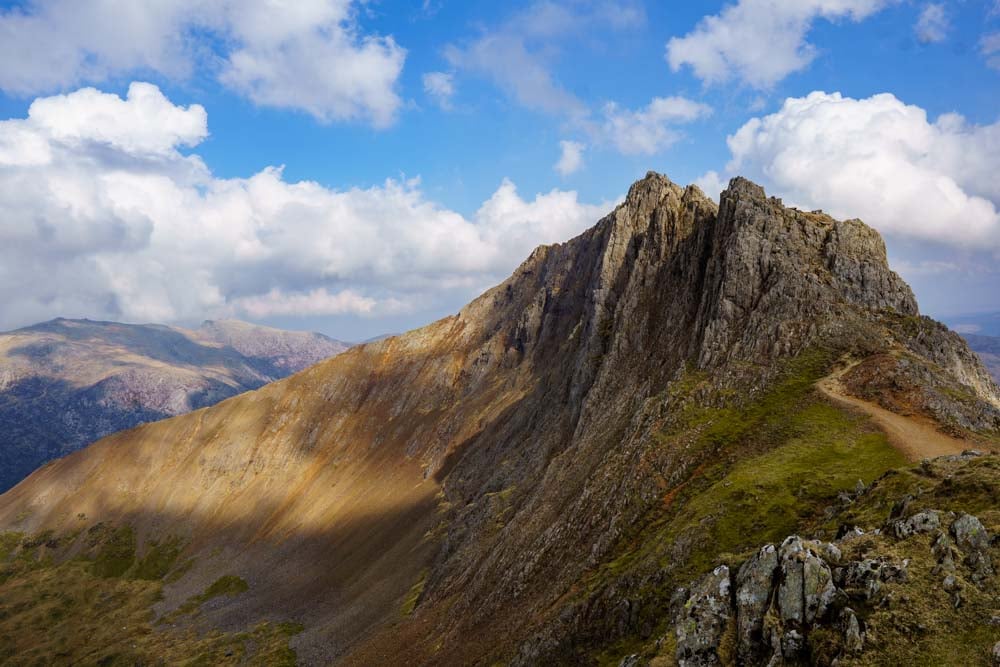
point(66, 383)
point(801, 589)
point(706, 616)
point(497, 460)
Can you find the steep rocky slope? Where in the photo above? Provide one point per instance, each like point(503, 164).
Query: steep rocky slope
point(530, 480)
point(66, 383)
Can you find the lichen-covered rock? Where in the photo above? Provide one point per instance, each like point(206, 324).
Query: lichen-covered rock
point(630, 661)
point(970, 534)
point(703, 620)
point(806, 588)
point(755, 583)
point(853, 641)
point(921, 522)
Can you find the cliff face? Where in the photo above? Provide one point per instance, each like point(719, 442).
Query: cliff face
point(67, 383)
point(518, 478)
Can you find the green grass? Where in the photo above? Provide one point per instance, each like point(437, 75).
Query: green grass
point(758, 471)
point(229, 585)
point(9, 541)
point(158, 560)
point(413, 596)
point(116, 554)
point(93, 610)
point(769, 496)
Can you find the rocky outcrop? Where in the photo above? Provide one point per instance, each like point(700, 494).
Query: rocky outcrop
point(784, 595)
point(706, 617)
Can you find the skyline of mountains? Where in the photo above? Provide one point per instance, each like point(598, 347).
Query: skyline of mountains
point(65, 383)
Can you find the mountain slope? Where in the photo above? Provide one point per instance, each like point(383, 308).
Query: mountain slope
point(988, 349)
point(275, 351)
point(66, 383)
point(529, 481)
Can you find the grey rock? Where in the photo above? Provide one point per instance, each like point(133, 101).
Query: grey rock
point(921, 522)
point(755, 582)
point(703, 620)
point(630, 661)
point(980, 565)
point(793, 644)
point(807, 587)
point(866, 576)
point(853, 641)
point(970, 534)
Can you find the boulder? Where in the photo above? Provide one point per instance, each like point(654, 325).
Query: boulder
point(755, 583)
point(970, 534)
point(704, 619)
point(853, 640)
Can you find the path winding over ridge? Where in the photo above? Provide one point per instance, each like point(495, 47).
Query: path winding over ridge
point(915, 437)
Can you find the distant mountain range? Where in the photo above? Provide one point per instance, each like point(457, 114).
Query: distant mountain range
point(982, 324)
point(988, 349)
point(66, 383)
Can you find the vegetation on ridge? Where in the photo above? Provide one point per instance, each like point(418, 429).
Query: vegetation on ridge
point(759, 472)
point(97, 608)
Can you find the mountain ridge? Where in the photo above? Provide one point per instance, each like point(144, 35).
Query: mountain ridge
point(65, 383)
point(489, 472)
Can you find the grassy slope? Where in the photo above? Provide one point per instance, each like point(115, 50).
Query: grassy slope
point(765, 470)
point(768, 469)
point(772, 469)
point(96, 608)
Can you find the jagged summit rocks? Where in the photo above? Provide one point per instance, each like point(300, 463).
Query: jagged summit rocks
point(530, 480)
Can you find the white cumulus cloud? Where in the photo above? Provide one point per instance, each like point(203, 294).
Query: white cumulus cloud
point(146, 122)
point(310, 55)
point(760, 42)
point(649, 130)
point(570, 157)
point(105, 216)
point(880, 160)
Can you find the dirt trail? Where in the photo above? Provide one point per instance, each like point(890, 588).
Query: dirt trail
point(916, 437)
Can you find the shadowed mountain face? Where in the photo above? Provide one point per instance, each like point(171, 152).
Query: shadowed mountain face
point(66, 383)
point(532, 479)
point(988, 349)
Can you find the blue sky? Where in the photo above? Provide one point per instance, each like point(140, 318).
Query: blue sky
point(341, 95)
